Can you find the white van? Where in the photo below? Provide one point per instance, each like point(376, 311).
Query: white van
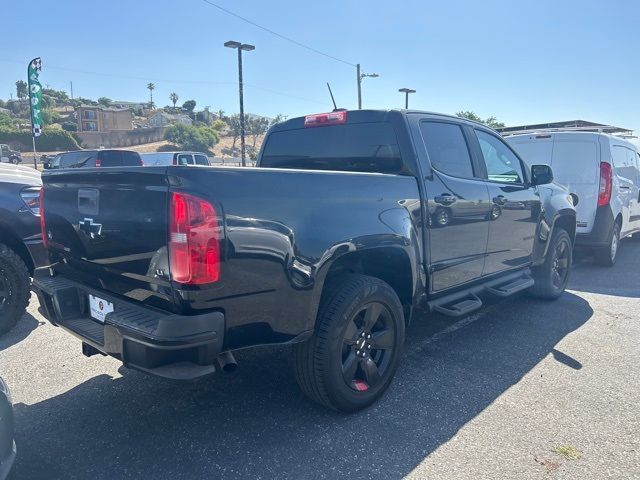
point(603, 171)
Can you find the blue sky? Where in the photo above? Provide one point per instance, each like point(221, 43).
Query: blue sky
point(523, 62)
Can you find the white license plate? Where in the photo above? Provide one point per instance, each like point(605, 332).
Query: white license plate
point(99, 308)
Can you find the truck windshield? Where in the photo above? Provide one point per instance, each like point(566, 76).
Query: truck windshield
point(358, 147)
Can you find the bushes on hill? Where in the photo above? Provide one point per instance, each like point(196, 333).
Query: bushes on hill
point(190, 137)
point(51, 139)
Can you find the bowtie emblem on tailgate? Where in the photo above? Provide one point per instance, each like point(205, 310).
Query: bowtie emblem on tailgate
point(89, 227)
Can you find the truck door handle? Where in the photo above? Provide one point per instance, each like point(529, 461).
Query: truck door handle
point(445, 199)
point(500, 200)
point(625, 187)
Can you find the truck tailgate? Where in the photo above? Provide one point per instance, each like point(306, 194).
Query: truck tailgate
point(108, 228)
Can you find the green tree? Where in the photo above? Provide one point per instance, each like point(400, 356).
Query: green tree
point(22, 91)
point(278, 119)
point(189, 105)
point(50, 116)
point(173, 96)
point(233, 122)
point(7, 121)
point(105, 101)
point(151, 87)
point(490, 122)
point(190, 137)
point(256, 127)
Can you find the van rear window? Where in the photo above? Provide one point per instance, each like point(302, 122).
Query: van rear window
point(358, 147)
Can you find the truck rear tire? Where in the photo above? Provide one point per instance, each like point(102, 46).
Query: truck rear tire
point(352, 357)
point(552, 276)
point(15, 286)
point(606, 256)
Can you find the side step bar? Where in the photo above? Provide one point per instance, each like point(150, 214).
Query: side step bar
point(460, 307)
point(511, 287)
point(466, 301)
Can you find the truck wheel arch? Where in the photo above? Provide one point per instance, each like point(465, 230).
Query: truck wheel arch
point(390, 264)
point(565, 220)
point(12, 241)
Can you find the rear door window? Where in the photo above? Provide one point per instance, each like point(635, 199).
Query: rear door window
point(76, 160)
point(111, 158)
point(447, 148)
point(201, 160)
point(184, 159)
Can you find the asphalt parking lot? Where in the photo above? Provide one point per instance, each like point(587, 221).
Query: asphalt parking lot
point(523, 389)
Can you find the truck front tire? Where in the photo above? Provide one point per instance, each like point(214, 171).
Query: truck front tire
point(15, 286)
point(352, 357)
point(552, 276)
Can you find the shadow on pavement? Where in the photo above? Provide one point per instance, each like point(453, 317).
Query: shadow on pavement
point(258, 424)
point(587, 276)
point(23, 328)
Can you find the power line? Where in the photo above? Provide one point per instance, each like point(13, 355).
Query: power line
point(177, 82)
point(291, 40)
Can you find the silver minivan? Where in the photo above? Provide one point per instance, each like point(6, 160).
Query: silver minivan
point(603, 170)
point(174, 158)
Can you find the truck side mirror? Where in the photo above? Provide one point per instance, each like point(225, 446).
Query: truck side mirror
point(541, 174)
point(46, 165)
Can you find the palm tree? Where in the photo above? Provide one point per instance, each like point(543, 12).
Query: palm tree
point(173, 96)
point(151, 87)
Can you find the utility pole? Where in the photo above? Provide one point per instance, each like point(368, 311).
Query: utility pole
point(247, 48)
point(360, 76)
point(71, 83)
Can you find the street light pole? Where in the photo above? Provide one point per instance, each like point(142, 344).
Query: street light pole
point(240, 47)
point(406, 92)
point(359, 77)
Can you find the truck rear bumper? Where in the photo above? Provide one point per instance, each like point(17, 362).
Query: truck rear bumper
point(143, 338)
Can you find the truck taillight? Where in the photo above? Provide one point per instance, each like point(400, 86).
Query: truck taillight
point(98, 161)
point(604, 193)
point(194, 240)
point(43, 226)
point(321, 119)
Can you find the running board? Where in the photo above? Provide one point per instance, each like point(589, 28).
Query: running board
point(466, 300)
point(459, 307)
point(511, 287)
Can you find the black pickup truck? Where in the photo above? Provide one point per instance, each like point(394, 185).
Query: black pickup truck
point(351, 221)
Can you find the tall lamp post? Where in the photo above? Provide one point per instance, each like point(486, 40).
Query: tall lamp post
point(360, 77)
point(247, 48)
point(406, 92)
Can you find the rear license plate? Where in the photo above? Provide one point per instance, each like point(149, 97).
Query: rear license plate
point(99, 308)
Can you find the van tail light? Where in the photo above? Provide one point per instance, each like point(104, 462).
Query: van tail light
point(194, 240)
point(322, 119)
point(604, 193)
point(43, 226)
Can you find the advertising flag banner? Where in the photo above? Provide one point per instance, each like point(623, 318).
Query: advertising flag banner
point(35, 95)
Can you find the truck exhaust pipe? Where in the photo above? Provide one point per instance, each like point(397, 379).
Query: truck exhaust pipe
point(227, 363)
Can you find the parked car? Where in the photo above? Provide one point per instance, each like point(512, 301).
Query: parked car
point(21, 248)
point(603, 171)
point(9, 156)
point(7, 442)
point(326, 245)
point(94, 158)
point(174, 158)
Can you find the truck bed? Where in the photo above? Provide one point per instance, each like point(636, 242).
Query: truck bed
point(280, 230)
